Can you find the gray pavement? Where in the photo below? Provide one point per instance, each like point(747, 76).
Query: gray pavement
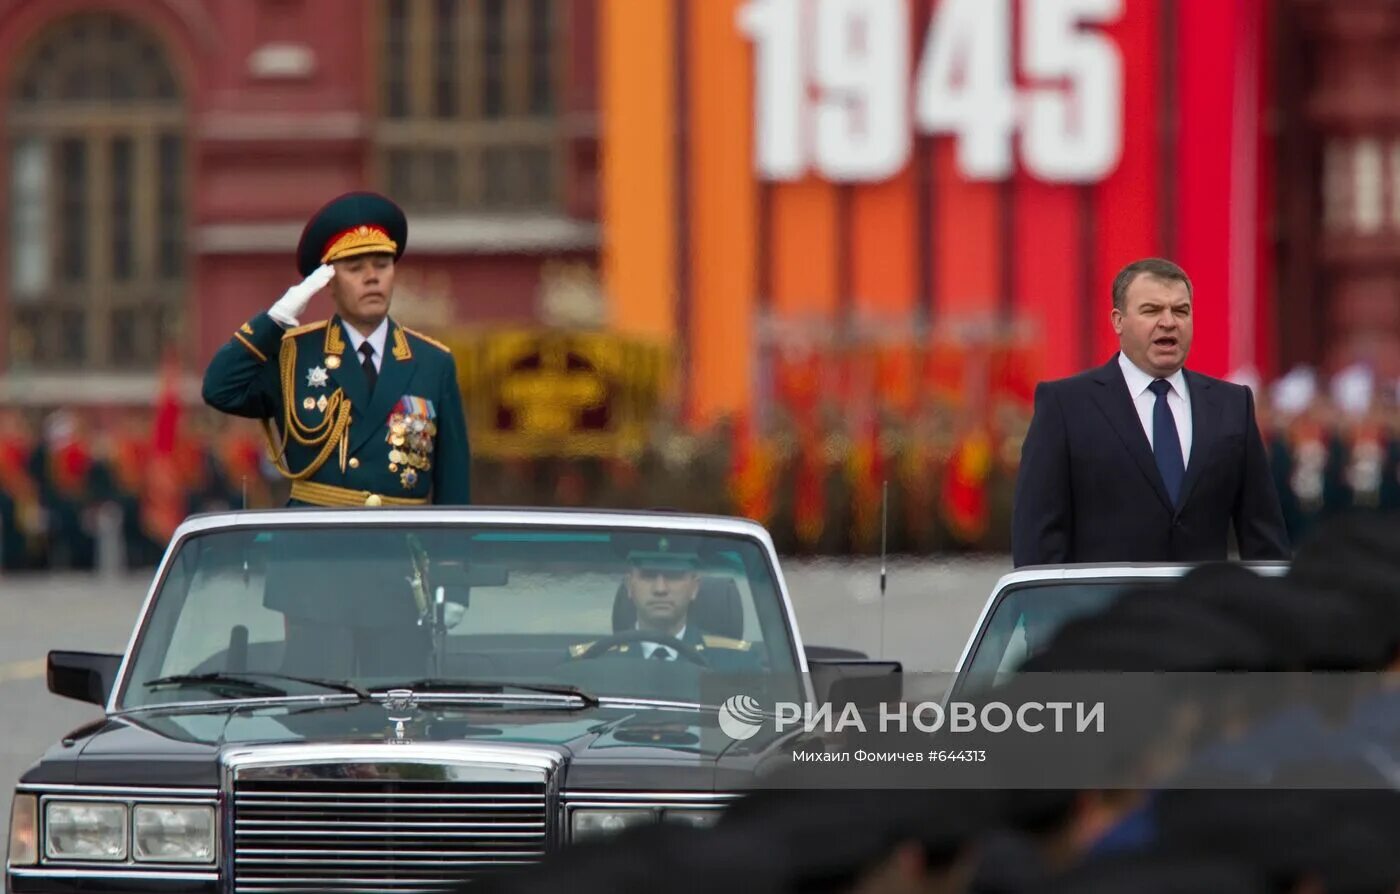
point(924, 618)
point(927, 611)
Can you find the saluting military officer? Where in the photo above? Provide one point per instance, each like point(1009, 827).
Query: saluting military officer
point(358, 410)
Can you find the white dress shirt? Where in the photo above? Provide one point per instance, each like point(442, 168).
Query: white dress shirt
point(1178, 399)
point(377, 339)
point(648, 648)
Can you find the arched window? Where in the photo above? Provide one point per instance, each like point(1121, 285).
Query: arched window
point(469, 104)
point(97, 199)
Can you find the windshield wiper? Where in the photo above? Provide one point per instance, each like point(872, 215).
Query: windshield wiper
point(437, 684)
point(249, 681)
point(216, 681)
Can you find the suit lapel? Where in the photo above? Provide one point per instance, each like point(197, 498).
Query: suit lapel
point(1205, 412)
point(395, 372)
point(1113, 399)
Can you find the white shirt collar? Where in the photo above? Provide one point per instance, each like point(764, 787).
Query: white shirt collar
point(377, 338)
point(680, 635)
point(1138, 380)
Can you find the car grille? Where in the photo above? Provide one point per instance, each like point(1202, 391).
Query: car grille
point(399, 836)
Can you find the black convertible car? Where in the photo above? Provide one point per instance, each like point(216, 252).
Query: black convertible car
point(398, 699)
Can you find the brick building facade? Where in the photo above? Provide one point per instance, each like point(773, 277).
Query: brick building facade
point(162, 156)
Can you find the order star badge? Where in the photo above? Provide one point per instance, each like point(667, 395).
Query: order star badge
point(317, 377)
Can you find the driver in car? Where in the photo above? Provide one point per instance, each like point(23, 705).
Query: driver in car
point(662, 585)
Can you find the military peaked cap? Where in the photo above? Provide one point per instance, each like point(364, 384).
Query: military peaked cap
point(356, 223)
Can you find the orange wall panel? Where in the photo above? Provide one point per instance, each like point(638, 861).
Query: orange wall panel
point(803, 249)
point(639, 164)
point(966, 241)
point(723, 196)
point(884, 265)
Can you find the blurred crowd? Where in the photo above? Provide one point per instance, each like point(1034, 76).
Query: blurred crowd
point(1295, 793)
point(811, 471)
point(71, 477)
point(72, 480)
point(1334, 444)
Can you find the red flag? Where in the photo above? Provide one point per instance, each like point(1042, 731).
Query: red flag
point(15, 478)
point(69, 461)
point(1013, 378)
point(163, 503)
point(167, 422)
point(896, 379)
point(945, 372)
point(750, 473)
point(799, 382)
point(965, 486)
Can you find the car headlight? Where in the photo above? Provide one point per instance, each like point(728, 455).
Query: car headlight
point(700, 819)
point(24, 830)
point(173, 833)
point(593, 824)
point(84, 830)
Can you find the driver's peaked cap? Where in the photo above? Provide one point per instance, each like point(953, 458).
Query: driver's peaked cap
point(660, 550)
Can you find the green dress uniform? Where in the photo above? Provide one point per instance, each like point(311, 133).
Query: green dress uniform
point(340, 443)
point(67, 479)
point(1308, 465)
point(340, 437)
point(719, 653)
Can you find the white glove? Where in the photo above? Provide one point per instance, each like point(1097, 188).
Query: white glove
point(452, 614)
point(288, 308)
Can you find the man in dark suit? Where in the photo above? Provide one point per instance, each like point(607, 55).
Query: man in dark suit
point(1142, 460)
point(369, 411)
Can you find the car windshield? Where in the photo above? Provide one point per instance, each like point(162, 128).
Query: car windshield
point(1027, 616)
point(610, 612)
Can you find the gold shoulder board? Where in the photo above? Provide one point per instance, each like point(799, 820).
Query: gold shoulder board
point(302, 330)
point(579, 648)
point(724, 642)
point(432, 341)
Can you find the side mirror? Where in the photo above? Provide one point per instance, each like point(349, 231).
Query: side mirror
point(85, 676)
point(864, 682)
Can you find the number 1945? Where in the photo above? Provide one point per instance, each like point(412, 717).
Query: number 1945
point(834, 94)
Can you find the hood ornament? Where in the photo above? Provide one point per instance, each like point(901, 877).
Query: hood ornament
point(401, 705)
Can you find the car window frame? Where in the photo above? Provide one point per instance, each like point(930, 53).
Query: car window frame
point(785, 614)
point(1006, 592)
point(1071, 575)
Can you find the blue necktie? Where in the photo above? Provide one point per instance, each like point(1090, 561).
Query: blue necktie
point(1166, 444)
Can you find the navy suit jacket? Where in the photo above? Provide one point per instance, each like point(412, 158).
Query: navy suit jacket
point(1088, 489)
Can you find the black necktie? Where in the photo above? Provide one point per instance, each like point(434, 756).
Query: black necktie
point(661, 653)
point(371, 374)
point(1166, 444)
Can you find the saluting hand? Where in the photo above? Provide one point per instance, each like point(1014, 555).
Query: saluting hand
point(289, 307)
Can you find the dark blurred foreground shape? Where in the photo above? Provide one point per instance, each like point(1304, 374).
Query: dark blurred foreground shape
point(1295, 792)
